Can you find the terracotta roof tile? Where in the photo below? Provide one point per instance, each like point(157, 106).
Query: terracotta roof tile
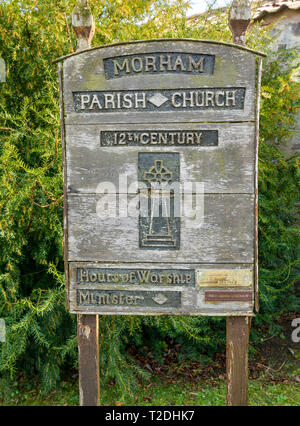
point(273, 6)
point(266, 7)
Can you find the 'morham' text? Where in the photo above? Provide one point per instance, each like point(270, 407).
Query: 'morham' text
point(123, 66)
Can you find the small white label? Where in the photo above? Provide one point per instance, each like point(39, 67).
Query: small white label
point(2, 330)
point(2, 74)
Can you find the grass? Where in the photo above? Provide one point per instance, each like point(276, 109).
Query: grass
point(274, 381)
point(201, 393)
point(156, 392)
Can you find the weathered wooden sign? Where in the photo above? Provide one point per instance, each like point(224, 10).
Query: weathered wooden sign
point(160, 163)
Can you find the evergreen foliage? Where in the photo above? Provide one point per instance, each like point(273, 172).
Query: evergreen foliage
point(41, 335)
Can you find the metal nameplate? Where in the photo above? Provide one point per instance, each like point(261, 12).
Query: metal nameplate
point(158, 63)
point(130, 276)
point(159, 227)
point(189, 138)
point(112, 298)
point(227, 98)
point(224, 278)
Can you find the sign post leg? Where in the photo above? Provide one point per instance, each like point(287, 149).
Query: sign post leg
point(237, 336)
point(88, 359)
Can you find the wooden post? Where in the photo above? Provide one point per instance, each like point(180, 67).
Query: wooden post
point(88, 359)
point(83, 25)
point(239, 20)
point(237, 338)
point(87, 325)
point(238, 328)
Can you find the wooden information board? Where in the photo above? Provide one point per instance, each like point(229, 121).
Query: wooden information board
point(160, 175)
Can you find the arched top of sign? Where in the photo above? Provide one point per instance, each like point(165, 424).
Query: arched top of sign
point(178, 78)
point(136, 42)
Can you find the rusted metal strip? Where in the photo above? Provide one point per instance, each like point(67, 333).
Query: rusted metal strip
point(228, 296)
point(88, 359)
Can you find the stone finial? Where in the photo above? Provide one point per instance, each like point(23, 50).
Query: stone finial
point(2, 71)
point(239, 20)
point(83, 24)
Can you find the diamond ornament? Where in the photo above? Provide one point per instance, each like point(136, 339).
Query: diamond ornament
point(160, 299)
point(158, 99)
